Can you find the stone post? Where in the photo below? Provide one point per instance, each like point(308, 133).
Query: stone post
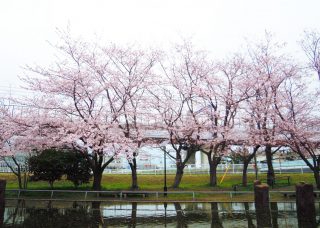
point(261, 201)
point(306, 210)
point(256, 182)
point(2, 200)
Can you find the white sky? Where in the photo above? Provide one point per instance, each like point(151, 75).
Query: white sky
point(219, 26)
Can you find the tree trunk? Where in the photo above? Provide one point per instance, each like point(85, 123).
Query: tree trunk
point(15, 172)
point(270, 174)
point(178, 177)
point(213, 173)
point(134, 176)
point(19, 175)
point(316, 177)
point(213, 164)
point(51, 184)
point(246, 163)
point(25, 180)
point(244, 173)
point(20, 179)
point(97, 177)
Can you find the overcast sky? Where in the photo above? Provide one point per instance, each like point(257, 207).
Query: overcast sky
point(219, 26)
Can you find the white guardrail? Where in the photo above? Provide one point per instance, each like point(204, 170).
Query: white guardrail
point(125, 195)
point(222, 168)
point(203, 169)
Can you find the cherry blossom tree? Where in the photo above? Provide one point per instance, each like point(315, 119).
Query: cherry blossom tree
point(299, 114)
point(222, 94)
point(271, 69)
point(182, 137)
point(311, 47)
point(18, 139)
point(99, 99)
point(177, 103)
point(126, 79)
point(8, 151)
point(198, 104)
point(87, 113)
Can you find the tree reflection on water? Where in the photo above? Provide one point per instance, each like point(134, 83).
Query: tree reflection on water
point(248, 215)
point(53, 217)
point(101, 214)
point(215, 219)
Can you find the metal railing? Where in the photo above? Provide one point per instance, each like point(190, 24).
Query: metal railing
point(86, 195)
point(222, 168)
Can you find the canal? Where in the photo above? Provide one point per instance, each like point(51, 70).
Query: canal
point(30, 213)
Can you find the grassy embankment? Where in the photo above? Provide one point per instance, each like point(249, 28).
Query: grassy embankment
point(155, 183)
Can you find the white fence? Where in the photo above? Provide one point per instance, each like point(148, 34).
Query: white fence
point(204, 169)
point(222, 168)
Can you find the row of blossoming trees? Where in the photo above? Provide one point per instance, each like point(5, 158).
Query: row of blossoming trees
point(108, 101)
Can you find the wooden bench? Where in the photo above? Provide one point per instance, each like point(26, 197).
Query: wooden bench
point(286, 178)
point(289, 194)
point(235, 187)
point(123, 194)
point(293, 194)
point(277, 179)
point(135, 194)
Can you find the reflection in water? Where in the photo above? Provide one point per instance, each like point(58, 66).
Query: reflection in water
point(307, 223)
point(101, 214)
point(248, 215)
point(97, 218)
point(165, 205)
point(133, 221)
point(274, 214)
point(16, 213)
point(53, 217)
point(181, 218)
point(215, 219)
point(2, 208)
point(263, 217)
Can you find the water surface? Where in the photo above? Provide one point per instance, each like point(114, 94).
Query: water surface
point(101, 214)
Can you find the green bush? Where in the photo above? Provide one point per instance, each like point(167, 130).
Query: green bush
point(51, 164)
point(78, 169)
point(48, 165)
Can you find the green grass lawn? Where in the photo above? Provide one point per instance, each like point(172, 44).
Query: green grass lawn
point(155, 182)
point(189, 184)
